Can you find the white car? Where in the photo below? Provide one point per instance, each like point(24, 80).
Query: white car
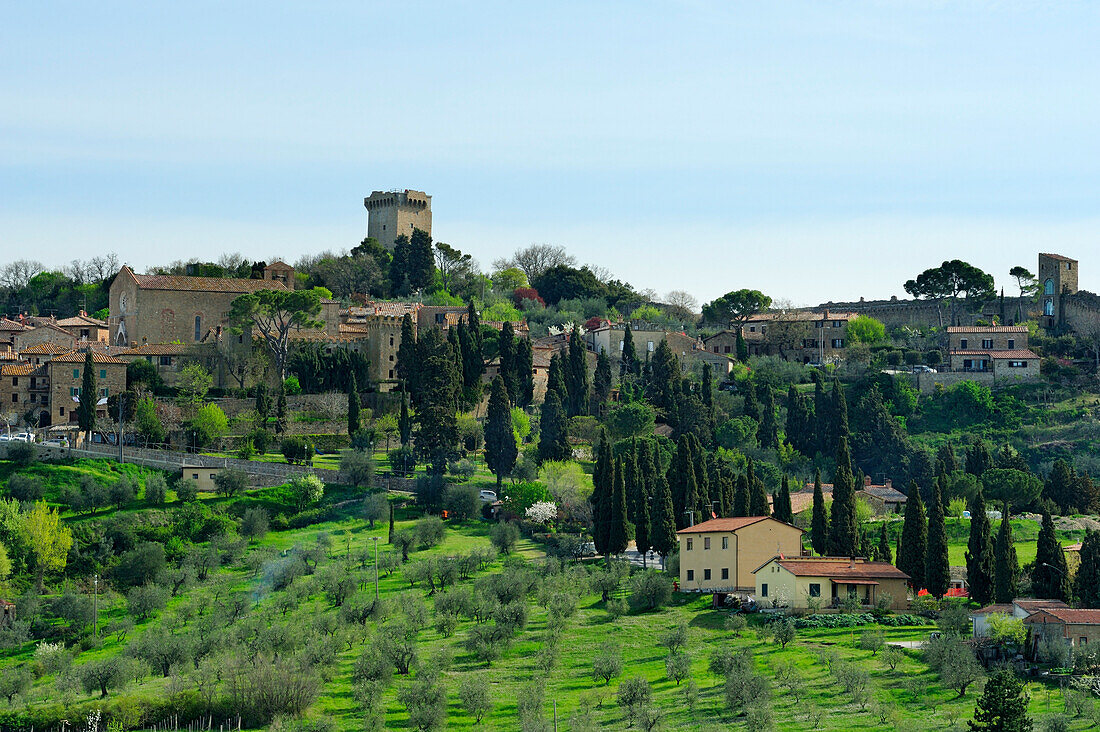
point(57, 442)
point(23, 437)
point(488, 496)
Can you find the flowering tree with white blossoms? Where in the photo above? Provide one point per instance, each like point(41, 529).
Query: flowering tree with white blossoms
point(542, 512)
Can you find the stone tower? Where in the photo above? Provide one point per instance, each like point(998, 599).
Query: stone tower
point(1057, 277)
point(392, 213)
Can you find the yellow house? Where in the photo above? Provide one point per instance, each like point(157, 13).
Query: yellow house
point(782, 582)
point(719, 555)
point(202, 475)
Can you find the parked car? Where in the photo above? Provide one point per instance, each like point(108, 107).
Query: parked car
point(730, 386)
point(5, 438)
point(57, 442)
point(23, 437)
point(920, 369)
point(588, 549)
point(488, 496)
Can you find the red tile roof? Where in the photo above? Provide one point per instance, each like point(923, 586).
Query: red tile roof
point(1067, 615)
point(1057, 256)
point(1033, 605)
point(79, 320)
point(45, 349)
point(1018, 353)
point(990, 609)
point(205, 284)
point(986, 329)
point(840, 568)
point(727, 524)
point(155, 349)
point(97, 357)
point(17, 369)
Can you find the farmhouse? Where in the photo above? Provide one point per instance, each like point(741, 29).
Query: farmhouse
point(795, 582)
point(1078, 627)
point(720, 554)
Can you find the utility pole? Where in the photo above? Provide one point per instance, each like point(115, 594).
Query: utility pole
point(691, 517)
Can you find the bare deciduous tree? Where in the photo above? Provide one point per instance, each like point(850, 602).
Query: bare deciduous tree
point(17, 274)
point(536, 259)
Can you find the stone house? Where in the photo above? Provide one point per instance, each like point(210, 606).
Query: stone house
point(987, 338)
point(48, 333)
point(1020, 609)
point(86, 328)
point(804, 336)
point(882, 498)
point(719, 555)
point(166, 358)
point(792, 583)
point(65, 376)
point(1077, 627)
point(998, 366)
point(202, 475)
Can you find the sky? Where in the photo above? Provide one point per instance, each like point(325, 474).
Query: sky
point(815, 151)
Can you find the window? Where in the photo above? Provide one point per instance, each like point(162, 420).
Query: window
point(706, 574)
point(61, 411)
point(764, 590)
point(439, 318)
point(240, 339)
point(165, 360)
point(1048, 307)
point(706, 543)
point(819, 324)
point(752, 328)
point(725, 573)
point(987, 343)
point(74, 391)
point(727, 349)
point(391, 358)
point(33, 398)
point(15, 381)
point(621, 345)
point(815, 589)
point(1069, 265)
point(103, 373)
point(690, 543)
point(103, 392)
point(725, 542)
point(649, 346)
point(1017, 364)
point(76, 373)
point(963, 343)
point(195, 476)
point(1011, 343)
point(1048, 287)
point(391, 373)
point(838, 323)
point(1082, 641)
point(838, 343)
point(15, 398)
point(691, 575)
point(198, 327)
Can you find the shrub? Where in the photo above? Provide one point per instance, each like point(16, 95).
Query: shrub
point(260, 439)
point(296, 450)
point(22, 453)
point(462, 470)
point(292, 386)
point(306, 489)
point(402, 460)
point(429, 492)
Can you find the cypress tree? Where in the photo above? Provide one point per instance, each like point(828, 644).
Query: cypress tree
point(798, 422)
point(404, 421)
point(1006, 568)
point(822, 415)
point(884, 546)
point(914, 539)
point(741, 496)
point(698, 458)
point(553, 432)
point(389, 539)
point(85, 410)
point(421, 261)
point(506, 349)
point(456, 350)
point(280, 410)
point(576, 373)
point(601, 382)
point(769, 425)
point(617, 531)
point(662, 524)
point(742, 348)
point(555, 377)
point(629, 365)
point(1086, 583)
point(978, 459)
point(752, 404)
point(843, 532)
point(263, 405)
point(1049, 577)
point(937, 569)
point(839, 412)
point(1059, 486)
point(1002, 706)
point(473, 357)
point(946, 456)
point(406, 355)
point(706, 387)
point(819, 524)
point(632, 480)
point(979, 552)
point(353, 404)
point(500, 441)
point(729, 490)
point(758, 494)
point(782, 503)
point(643, 471)
point(525, 373)
point(603, 484)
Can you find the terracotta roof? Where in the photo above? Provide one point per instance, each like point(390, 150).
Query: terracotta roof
point(357, 329)
point(1057, 256)
point(727, 524)
point(97, 357)
point(1072, 547)
point(990, 609)
point(886, 493)
point(840, 568)
point(45, 349)
point(1018, 353)
point(13, 325)
point(986, 329)
point(52, 326)
point(16, 369)
point(79, 320)
point(9, 355)
point(1033, 605)
point(155, 349)
point(378, 307)
point(540, 356)
point(205, 284)
point(1067, 615)
point(278, 264)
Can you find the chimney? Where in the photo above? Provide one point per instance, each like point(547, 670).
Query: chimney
point(866, 480)
point(889, 482)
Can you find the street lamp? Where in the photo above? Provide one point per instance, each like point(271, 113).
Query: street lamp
point(1056, 569)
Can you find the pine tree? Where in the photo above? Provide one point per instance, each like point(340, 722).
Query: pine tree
point(768, 433)
point(914, 539)
point(601, 382)
point(937, 568)
point(979, 553)
point(280, 410)
point(758, 494)
point(1006, 568)
point(353, 404)
point(576, 376)
point(617, 534)
point(85, 410)
point(1086, 583)
point(603, 485)
point(843, 532)
point(500, 441)
point(1003, 705)
point(1049, 577)
point(782, 503)
point(819, 524)
point(629, 365)
point(883, 554)
point(662, 523)
point(553, 431)
point(741, 497)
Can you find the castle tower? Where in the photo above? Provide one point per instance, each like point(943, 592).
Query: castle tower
point(1057, 277)
point(392, 213)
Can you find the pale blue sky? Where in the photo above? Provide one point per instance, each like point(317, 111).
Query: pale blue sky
point(812, 150)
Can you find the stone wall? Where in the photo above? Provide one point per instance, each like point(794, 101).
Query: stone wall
point(1082, 311)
